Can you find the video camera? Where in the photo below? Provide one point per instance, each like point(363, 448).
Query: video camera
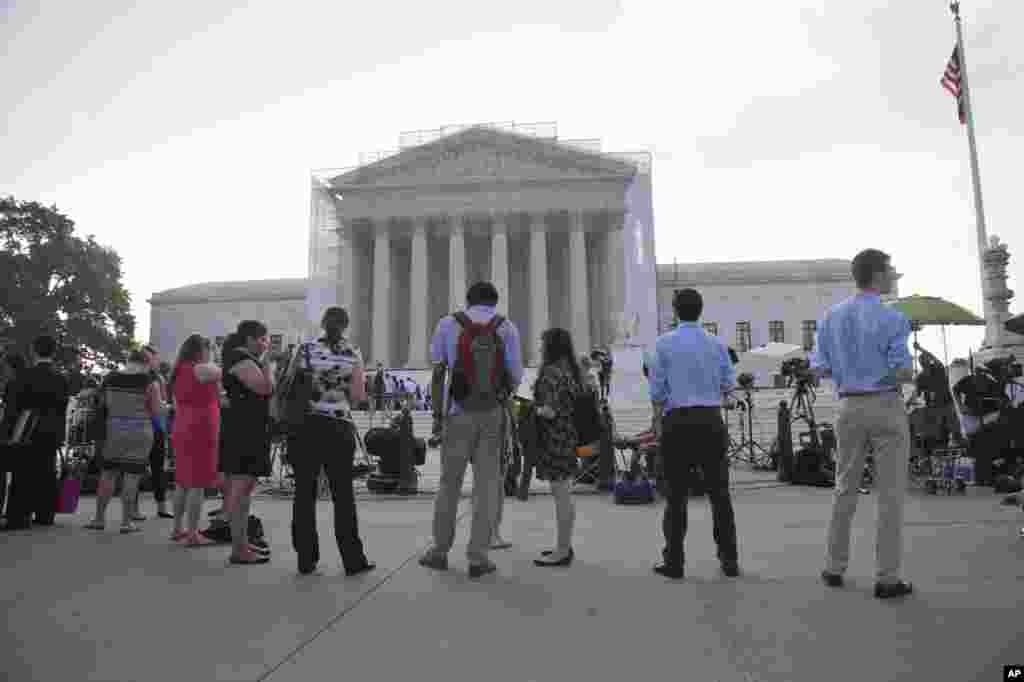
point(1004, 370)
point(984, 392)
point(797, 369)
point(745, 381)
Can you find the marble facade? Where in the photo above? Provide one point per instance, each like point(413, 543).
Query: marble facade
point(565, 234)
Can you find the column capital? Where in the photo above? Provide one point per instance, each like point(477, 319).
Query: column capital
point(577, 220)
point(499, 223)
point(538, 221)
point(456, 222)
point(617, 219)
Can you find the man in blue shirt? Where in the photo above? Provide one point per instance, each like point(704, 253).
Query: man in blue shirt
point(862, 345)
point(689, 374)
point(472, 432)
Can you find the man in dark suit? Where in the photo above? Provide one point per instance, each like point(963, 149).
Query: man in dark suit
point(34, 484)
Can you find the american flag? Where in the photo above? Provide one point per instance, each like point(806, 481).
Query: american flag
point(951, 82)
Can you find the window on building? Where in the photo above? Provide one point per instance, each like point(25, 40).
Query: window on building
point(743, 337)
point(711, 328)
point(276, 342)
point(777, 331)
point(808, 330)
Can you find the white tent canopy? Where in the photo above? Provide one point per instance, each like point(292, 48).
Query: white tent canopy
point(764, 361)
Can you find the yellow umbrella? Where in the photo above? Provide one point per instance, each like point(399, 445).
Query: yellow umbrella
point(925, 311)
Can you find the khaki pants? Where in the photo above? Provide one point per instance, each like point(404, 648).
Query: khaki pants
point(476, 438)
point(880, 422)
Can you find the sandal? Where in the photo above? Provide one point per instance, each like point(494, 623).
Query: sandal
point(254, 559)
point(179, 535)
point(194, 539)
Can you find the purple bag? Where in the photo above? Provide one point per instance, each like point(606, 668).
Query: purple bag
point(68, 492)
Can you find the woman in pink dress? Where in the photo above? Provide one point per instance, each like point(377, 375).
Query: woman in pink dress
point(195, 387)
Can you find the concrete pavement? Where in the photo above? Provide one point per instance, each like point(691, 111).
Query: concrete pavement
point(82, 605)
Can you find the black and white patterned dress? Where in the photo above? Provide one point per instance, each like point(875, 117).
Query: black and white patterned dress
point(556, 454)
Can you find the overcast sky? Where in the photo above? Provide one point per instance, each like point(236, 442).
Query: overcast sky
point(182, 134)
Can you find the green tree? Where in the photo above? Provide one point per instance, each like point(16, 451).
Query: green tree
point(54, 282)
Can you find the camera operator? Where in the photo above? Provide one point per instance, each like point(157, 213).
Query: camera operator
point(988, 400)
point(863, 346)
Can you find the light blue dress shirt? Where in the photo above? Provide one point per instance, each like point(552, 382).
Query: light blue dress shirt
point(690, 368)
point(861, 341)
point(444, 346)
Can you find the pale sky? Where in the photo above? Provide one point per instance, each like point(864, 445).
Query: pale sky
point(183, 134)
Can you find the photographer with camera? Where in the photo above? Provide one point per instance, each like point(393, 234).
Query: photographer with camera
point(988, 401)
point(863, 346)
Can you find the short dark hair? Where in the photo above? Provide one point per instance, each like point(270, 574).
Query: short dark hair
point(250, 329)
point(482, 293)
point(44, 346)
point(335, 316)
point(867, 264)
point(688, 304)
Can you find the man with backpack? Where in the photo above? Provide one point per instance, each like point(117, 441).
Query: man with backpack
point(480, 352)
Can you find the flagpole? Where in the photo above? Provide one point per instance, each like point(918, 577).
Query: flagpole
point(979, 207)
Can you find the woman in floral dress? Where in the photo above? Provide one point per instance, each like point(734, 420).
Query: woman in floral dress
point(554, 394)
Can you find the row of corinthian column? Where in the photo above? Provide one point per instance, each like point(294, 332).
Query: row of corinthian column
point(580, 285)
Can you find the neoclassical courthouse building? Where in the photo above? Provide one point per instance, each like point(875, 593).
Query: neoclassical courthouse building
point(564, 230)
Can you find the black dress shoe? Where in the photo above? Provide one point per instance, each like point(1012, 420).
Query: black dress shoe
point(480, 570)
point(731, 569)
point(564, 561)
point(365, 568)
point(670, 571)
point(832, 579)
point(16, 526)
point(890, 590)
point(306, 570)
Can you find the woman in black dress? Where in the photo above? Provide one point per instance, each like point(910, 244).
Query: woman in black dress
point(245, 450)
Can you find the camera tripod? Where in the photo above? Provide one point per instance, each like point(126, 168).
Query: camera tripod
point(746, 449)
point(802, 409)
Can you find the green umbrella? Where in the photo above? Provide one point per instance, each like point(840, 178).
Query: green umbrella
point(924, 311)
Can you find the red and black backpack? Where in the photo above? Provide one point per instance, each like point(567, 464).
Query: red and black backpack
point(479, 378)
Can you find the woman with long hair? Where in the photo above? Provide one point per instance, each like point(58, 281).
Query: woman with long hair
point(195, 388)
point(554, 395)
point(337, 369)
point(245, 446)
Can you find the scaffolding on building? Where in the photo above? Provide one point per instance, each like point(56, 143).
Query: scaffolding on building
point(544, 130)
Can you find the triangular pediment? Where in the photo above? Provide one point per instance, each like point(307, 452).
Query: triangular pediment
point(481, 153)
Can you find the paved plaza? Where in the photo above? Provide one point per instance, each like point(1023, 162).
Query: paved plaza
point(83, 605)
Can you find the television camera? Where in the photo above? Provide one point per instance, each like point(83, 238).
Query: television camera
point(813, 463)
point(797, 370)
point(984, 392)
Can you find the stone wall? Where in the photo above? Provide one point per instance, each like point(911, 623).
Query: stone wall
point(171, 323)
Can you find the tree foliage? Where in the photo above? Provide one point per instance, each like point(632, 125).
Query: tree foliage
point(54, 282)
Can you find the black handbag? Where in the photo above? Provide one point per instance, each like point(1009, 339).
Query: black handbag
point(297, 393)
